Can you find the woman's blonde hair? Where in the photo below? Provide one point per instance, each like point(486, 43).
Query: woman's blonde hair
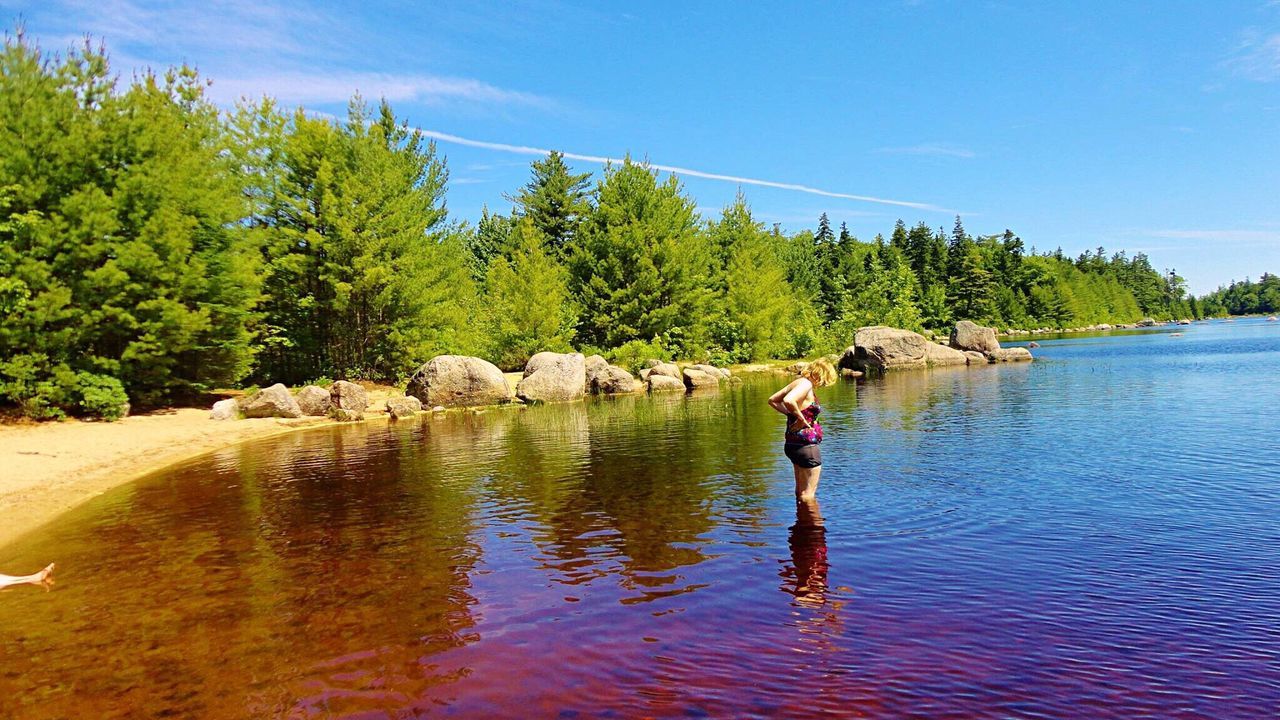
point(820, 372)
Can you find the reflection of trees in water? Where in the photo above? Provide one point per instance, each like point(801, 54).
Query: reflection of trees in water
point(331, 568)
point(316, 571)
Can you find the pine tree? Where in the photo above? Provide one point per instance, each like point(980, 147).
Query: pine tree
point(824, 236)
point(758, 300)
point(527, 300)
point(555, 200)
point(123, 259)
point(641, 268)
point(489, 239)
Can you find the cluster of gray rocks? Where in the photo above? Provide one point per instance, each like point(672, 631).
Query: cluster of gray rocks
point(879, 348)
point(463, 381)
point(342, 401)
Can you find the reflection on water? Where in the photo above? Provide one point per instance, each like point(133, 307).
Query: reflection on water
point(1091, 535)
point(808, 570)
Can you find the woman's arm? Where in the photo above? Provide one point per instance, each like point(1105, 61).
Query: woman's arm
point(776, 399)
point(800, 390)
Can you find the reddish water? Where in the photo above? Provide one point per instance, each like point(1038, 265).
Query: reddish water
point(1090, 536)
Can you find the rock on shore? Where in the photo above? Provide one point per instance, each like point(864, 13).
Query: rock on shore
point(553, 377)
point(459, 381)
point(314, 400)
point(884, 348)
point(274, 401)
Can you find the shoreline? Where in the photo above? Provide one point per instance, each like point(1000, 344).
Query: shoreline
point(53, 467)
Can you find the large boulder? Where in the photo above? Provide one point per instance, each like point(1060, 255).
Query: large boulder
point(593, 363)
point(711, 370)
point(885, 348)
point(1017, 354)
point(459, 380)
point(942, 356)
point(225, 410)
point(664, 383)
point(275, 401)
point(348, 396)
point(695, 379)
point(407, 406)
point(671, 370)
point(553, 377)
point(314, 400)
point(609, 380)
point(975, 358)
point(972, 336)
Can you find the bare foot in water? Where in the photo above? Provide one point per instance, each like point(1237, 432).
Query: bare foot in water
point(43, 578)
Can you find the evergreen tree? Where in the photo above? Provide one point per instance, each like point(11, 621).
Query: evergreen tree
point(527, 300)
point(555, 200)
point(641, 268)
point(489, 238)
point(759, 302)
point(123, 262)
point(824, 236)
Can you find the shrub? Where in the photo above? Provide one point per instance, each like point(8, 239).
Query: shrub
point(101, 396)
point(632, 355)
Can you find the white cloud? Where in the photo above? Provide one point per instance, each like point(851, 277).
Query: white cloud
point(292, 88)
point(935, 149)
point(1257, 57)
point(251, 48)
point(687, 172)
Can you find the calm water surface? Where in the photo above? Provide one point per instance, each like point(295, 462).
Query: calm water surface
point(1093, 535)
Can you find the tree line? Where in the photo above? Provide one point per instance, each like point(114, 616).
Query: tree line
point(153, 246)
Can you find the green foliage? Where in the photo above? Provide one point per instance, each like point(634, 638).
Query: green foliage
point(529, 308)
point(556, 201)
point(1243, 298)
point(641, 267)
point(759, 302)
point(101, 396)
point(632, 354)
point(364, 276)
point(120, 251)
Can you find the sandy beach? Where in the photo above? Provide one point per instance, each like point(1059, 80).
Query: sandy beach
point(49, 468)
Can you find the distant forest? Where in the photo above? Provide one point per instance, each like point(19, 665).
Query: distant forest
point(153, 245)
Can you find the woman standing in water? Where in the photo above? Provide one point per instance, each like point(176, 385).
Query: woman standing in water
point(799, 403)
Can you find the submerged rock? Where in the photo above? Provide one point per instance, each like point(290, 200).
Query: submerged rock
point(274, 401)
point(1016, 354)
point(459, 380)
point(553, 377)
point(313, 400)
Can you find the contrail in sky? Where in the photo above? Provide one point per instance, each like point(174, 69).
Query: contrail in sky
point(526, 150)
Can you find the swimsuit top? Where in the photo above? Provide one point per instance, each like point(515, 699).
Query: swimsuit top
point(805, 435)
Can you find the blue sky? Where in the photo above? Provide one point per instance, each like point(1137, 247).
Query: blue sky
point(1150, 127)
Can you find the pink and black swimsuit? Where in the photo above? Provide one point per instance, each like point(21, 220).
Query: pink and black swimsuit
point(802, 442)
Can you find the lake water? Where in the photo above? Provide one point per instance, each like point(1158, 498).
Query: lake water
point(1094, 535)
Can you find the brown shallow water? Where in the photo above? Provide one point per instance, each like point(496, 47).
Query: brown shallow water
point(1089, 536)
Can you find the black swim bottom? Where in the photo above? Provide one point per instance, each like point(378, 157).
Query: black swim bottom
point(805, 456)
